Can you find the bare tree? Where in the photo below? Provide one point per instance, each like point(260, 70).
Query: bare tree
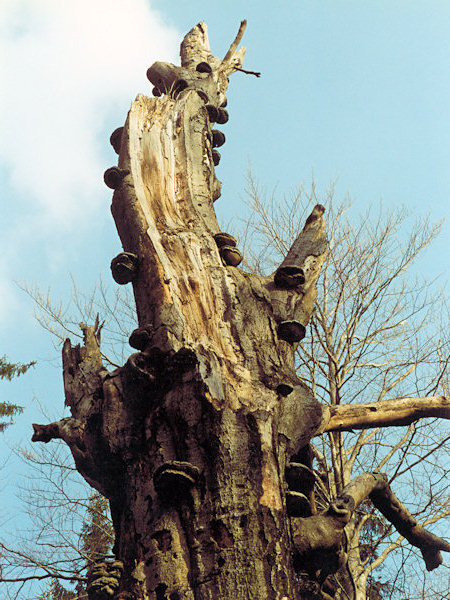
point(62, 318)
point(56, 537)
point(376, 335)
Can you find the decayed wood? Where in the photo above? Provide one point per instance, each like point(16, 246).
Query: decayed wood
point(194, 307)
point(229, 319)
point(195, 49)
point(211, 81)
point(388, 413)
point(190, 438)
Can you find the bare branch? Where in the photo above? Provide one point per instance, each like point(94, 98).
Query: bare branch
point(228, 56)
point(429, 544)
point(388, 413)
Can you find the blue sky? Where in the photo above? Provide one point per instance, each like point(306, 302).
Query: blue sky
point(356, 92)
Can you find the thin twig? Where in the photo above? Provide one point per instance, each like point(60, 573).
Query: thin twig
point(257, 74)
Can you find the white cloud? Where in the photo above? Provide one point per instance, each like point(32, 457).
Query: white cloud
point(66, 66)
point(68, 69)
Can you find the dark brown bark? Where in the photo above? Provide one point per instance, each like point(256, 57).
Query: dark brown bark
point(191, 438)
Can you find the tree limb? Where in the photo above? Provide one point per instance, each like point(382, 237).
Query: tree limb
point(236, 42)
point(40, 577)
point(429, 544)
point(388, 413)
point(325, 532)
point(294, 292)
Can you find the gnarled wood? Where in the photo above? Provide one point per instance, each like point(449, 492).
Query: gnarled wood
point(190, 438)
point(320, 540)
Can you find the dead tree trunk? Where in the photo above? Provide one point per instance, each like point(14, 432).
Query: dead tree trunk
point(190, 439)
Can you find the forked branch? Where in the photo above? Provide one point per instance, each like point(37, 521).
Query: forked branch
point(324, 533)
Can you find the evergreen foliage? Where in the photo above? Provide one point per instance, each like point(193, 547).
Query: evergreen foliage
point(56, 591)
point(97, 531)
point(8, 371)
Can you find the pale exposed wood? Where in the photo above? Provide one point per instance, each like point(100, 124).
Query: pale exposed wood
point(192, 307)
point(388, 413)
point(195, 48)
point(228, 58)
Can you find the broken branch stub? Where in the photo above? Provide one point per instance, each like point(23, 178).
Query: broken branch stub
point(294, 289)
point(300, 267)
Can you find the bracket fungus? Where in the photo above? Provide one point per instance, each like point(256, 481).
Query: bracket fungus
point(203, 67)
point(213, 112)
point(226, 243)
point(140, 338)
point(222, 116)
point(103, 579)
point(291, 331)
point(297, 504)
point(173, 480)
point(231, 256)
point(224, 239)
point(114, 176)
point(124, 267)
point(142, 370)
point(218, 138)
point(289, 276)
point(116, 139)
